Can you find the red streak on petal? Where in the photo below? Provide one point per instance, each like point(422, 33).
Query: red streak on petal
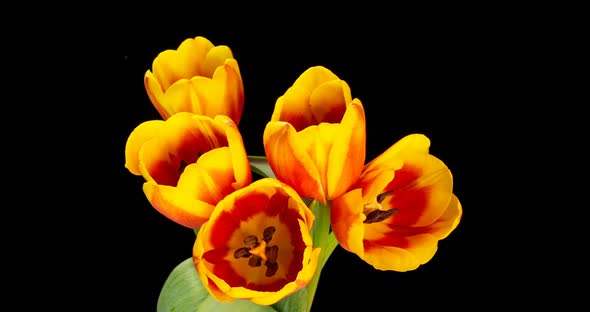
point(278, 204)
point(248, 206)
point(215, 256)
point(387, 241)
point(297, 120)
point(222, 229)
point(165, 173)
point(335, 114)
point(224, 271)
point(410, 202)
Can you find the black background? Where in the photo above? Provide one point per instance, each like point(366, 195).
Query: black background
point(453, 80)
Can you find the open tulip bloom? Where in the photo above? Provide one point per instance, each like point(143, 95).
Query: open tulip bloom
point(261, 244)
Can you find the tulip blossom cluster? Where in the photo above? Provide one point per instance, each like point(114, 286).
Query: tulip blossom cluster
point(264, 240)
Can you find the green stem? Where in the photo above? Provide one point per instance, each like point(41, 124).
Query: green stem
point(324, 239)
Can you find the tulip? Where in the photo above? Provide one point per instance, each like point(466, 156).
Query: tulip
point(315, 141)
point(198, 77)
point(399, 209)
point(257, 244)
point(189, 162)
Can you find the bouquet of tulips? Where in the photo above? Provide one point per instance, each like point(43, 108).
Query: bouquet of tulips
point(266, 225)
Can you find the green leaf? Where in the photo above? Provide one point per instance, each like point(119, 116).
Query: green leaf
point(259, 164)
point(296, 302)
point(184, 292)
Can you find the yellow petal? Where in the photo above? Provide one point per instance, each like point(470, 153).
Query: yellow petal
point(215, 57)
point(402, 253)
point(293, 107)
point(346, 219)
point(347, 155)
point(422, 190)
point(142, 133)
point(450, 219)
point(239, 156)
point(210, 178)
point(315, 76)
point(410, 143)
point(288, 158)
point(229, 76)
point(156, 94)
point(180, 97)
point(177, 205)
point(329, 101)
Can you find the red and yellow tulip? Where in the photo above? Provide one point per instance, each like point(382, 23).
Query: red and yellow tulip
point(315, 141)
point(198, 77)
point(401, 206)
point(257, 245)
point(190, 162)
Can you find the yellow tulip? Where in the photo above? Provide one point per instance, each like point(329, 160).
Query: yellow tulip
point(257, 244)
point(190, 162)
point(401, 206)
point(198, 77)
point(315, 141)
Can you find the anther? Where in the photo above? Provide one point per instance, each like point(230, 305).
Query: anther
point(242, 253)
point(382, 196)
point(272, 253)
point(255, 261)
point(379, 215)
point(271, 268)
point(267, 234)
point(251, 240)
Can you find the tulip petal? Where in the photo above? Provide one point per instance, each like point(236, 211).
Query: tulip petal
point(215, 57)
point(409, 143)
point(156, 95)
point(422, 190)
point(442, 227)
point(290, 162)
point(315, 76)
point(229, 76)
point(239, 156)
point(346, 219)
point(374, 182)
point(141, 134)
point(293, 107)
point(328, 101)
point(176, 205)
point(399, 253)
point(210, 178)
point(347, 155)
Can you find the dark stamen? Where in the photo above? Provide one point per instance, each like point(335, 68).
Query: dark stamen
point(271, 268)
point(242, 253)
point(382, 196)
point(379, 215)
point(251, 240)
point(255, 261)
point(272, 253)
point(267, 234)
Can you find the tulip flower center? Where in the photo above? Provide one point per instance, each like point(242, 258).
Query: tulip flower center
point(258, 251)
point(374, 212)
